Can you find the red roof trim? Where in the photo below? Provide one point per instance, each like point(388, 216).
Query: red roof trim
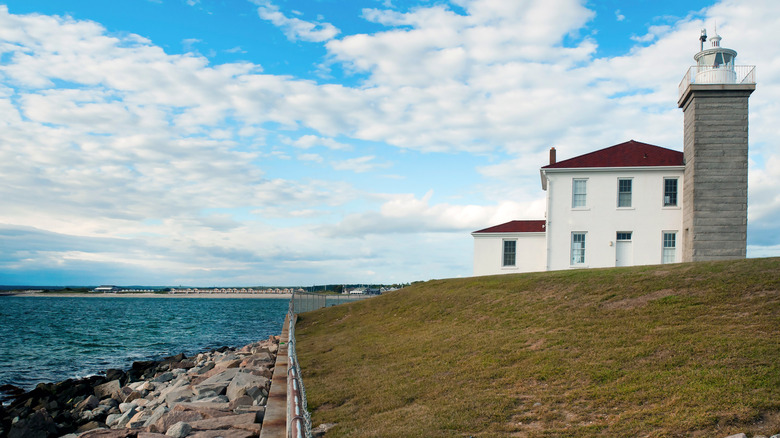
point(517, 227)
point(629, 154)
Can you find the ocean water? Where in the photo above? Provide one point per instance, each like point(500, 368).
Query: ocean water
point(49, 339)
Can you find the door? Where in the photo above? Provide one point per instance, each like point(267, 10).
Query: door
point(624, 253)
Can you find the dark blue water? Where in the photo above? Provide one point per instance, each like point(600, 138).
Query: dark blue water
point(49, 339)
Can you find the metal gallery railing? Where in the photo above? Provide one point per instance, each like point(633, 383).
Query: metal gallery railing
point(701, 74)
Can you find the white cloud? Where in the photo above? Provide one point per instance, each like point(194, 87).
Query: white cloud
point(311, 157)
point(309, 141)
point(407, 214)
point(619, 16)
point(294, 28)
point(360, 164)
point(112, 149)
point(653, 32)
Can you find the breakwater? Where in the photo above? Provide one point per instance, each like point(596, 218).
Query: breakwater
point(217, 393)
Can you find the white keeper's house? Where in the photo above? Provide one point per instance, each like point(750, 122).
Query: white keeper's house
point(639, 204)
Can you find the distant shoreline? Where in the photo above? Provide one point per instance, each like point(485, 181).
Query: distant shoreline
point(143, 295)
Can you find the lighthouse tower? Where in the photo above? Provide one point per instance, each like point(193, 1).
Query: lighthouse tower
point(714, 99)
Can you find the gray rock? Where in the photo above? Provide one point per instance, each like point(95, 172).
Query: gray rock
point(195, 405)
point(112, 419)
point(110, 402)
point(244, 400)
point(124, 407)
point(164, 377)
point(322, 429)
point(139, 419)
point(206, 393)
point(739, 435)
point(39, 424)
point(206, 368)
point(178, 395)
point(217, 383)
point(108, 389)
point(166, 421)
point(230, 433)
point(135, 395)
point(216, 399)
point(88, 403)
point(179, 430)
point(241, 382)
point(226, 422)
point(165, 391)
point(255, 393)
point(88, 426)
point(157, 413)
point(103, 433)
point(126, 416)
point(262, 371)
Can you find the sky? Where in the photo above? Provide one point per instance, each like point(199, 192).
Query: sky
point(272, 142)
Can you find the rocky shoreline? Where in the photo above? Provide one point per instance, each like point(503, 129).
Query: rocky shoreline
point(217, 393)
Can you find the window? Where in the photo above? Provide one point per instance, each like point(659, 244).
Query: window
point(670, 192)
point(624, 193)
point(510, 251)
point(578, 190)
point(577, 248)
point(670, 247)
point(623, 235)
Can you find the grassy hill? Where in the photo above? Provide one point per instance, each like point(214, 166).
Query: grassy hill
point(675, 350)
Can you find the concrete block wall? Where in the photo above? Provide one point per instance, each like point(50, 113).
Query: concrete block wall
point(716, 165)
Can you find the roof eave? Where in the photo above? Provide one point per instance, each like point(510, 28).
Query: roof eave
point(610, 169)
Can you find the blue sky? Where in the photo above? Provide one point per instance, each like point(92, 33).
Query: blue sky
point(257, 142)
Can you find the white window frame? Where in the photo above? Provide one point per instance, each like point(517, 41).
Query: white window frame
point(669, 253)
point(505, 253)
point(624, 238)
point(579, 200)
point(676, 192)
point(577, 254)
point(630, 192)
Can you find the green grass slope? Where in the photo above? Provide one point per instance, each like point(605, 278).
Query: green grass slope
point(652, 351)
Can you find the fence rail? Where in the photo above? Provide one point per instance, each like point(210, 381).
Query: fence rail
point(298, 417)
point(308, 301)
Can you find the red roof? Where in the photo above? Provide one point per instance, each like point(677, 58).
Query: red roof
point(629, 154)
point(516, 227)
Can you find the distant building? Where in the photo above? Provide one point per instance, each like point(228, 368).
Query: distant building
point(107, 288)
point(639, 204)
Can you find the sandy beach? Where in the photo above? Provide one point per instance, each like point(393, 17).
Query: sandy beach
point(148, 295)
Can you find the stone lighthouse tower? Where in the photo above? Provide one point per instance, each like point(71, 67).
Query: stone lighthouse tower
point(714, 99)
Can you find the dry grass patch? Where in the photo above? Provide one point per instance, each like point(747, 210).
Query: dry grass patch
point(678, 350)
